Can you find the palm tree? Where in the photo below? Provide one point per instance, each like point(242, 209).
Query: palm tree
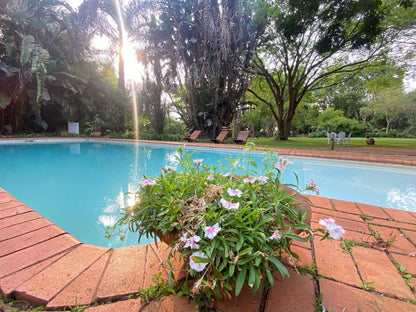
point(106, 18)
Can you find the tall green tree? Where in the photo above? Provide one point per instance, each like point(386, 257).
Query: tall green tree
point(205, 45)
point(106, 18)
point(308, 41)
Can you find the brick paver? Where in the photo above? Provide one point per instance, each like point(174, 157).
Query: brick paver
point(285, 294)
point(399, 243)
point(377, 270)
point(125, 306)
point(82, 290)
point(373, 211)
point(345, 206)
point(124, 273)
point(333, 262)
point(339, 297)
point(43, 287)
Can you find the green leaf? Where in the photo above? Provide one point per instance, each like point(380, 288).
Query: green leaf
point(240, 243)
point(251, 276)
point(269, 276)
point(240, 281)
point(402, 268)
point(279, 265)
point(296, 237)
point(231, 270)
point(28, 44)
point(200, 259)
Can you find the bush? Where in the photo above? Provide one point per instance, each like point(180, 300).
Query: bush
point(230, 226)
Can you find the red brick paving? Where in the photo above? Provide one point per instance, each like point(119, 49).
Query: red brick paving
point(62, 271)
point(376, 268)
point(339, 297)
point(286, 295)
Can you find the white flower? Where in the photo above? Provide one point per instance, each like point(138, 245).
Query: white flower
point(229, 205)
point(147, 182)
point(232, 192)
point(192, 242)
point(282, 164)
point(210, 177)
point(169, 168)
point(334, 230)
point(262, 180)
point(212, 231)
point(197, 162)
point(276, 235)
point(249, 180)
point(194, 264)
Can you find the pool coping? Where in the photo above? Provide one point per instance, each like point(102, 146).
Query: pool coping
point(42, 264)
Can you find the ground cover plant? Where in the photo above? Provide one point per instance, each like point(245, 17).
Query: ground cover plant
point(230, 224)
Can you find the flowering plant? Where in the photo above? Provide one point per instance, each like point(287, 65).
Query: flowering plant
point(230, 224)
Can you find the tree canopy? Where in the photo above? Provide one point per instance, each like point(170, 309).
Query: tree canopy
point(307, 42)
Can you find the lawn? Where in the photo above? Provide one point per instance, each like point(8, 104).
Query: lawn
point(311, 143)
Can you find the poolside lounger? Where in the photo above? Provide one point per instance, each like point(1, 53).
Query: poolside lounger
point(242, 137)
point(194, 136)
point(221, 137)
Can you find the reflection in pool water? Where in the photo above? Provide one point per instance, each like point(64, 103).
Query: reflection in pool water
point(81, 187)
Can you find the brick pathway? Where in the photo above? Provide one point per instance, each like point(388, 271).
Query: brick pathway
point(372, 269)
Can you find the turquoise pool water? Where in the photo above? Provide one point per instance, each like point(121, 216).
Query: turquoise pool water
point(80, 186)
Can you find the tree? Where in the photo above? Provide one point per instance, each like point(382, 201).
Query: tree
point(40, 42)
point(388, 103)
point(307, 42)
point(95, 14)
point(205, 44)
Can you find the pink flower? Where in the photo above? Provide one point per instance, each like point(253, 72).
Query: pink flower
point(147, 182)
point(262, 180)
point(312, 186)
point(282, 164)
point(249, 180)
point(276, 235)
point(334, 230)
point(225, 175)
point(210, 177)
point(212, 231)
point(194, 264)
point(192, 242)
point(232, 192)
point(229, 205)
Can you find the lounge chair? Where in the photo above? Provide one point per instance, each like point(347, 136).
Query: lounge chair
point(341, 137)
point(221, 137)
point(242, 137)
point(194, 136)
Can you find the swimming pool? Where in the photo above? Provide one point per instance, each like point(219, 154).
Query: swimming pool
point(80, 185)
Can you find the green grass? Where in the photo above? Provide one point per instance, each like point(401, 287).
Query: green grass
point(319, 143)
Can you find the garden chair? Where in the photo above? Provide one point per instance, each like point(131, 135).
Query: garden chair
point(194, 136)
point(331, 136)
point(341, 137)
point(348, 138)
point(242, 137)
point(221, 137)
